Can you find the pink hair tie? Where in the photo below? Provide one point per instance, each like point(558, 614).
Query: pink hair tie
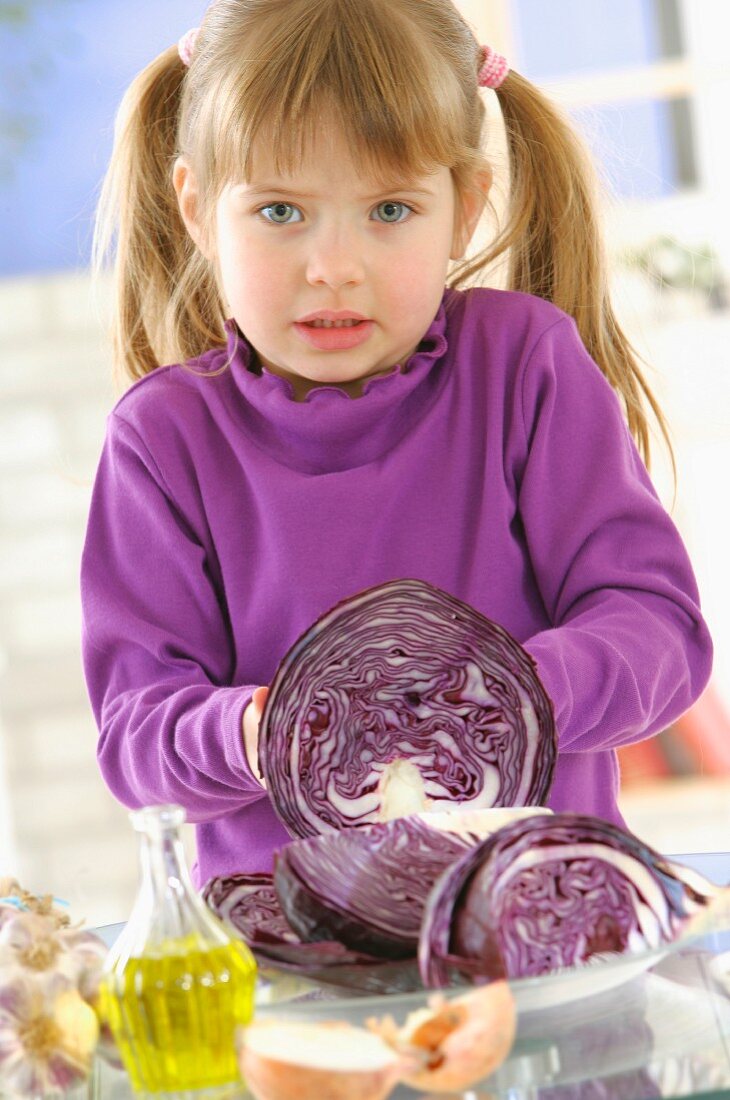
point(186, 45)
point(493, 70)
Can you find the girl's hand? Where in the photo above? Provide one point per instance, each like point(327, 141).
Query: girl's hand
point(251, 718)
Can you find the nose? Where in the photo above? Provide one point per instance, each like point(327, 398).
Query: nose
point(335, 257)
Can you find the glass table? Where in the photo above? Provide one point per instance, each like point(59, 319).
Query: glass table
point(657, 1025)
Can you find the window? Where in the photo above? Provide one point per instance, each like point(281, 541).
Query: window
point(621, 69)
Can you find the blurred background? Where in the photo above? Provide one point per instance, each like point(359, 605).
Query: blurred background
point(648, 84)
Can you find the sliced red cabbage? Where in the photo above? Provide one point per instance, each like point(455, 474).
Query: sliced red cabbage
point(402, 699)
point(249, 905)
point(548, 893)
point(365, 887)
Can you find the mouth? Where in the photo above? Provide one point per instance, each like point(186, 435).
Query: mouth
point(328, 318)
point(328, 335)
point(351, 322)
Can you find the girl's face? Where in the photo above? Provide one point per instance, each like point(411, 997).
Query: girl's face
point(329, 239)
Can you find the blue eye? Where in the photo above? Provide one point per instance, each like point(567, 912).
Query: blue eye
point(280, 209)
point(389, 207)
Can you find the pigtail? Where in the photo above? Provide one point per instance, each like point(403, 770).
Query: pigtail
point(554, 244)
point(167, 306)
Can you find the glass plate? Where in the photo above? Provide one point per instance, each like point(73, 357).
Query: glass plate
point(399, 991)
point(282, 993)
point(641, 1026)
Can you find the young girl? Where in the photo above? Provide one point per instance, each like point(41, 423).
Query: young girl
point(289, 190)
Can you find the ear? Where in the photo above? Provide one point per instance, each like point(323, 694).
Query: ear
point(469, 211)
point(188, 201)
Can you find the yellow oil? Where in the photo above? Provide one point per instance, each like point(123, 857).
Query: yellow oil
point(174, 1013)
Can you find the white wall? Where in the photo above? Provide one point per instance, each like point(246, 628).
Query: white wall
point(8, 848)
point(61, 831)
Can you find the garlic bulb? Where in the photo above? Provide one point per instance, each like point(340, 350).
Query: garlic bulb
point(48, 1034)
point(49, 978)
point(37, 945)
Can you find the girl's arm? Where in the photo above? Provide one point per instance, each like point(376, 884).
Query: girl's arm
point(629, 650)
point(158, 653)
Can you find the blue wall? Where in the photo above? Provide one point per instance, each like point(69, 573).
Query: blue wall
point(559, 37)
point(66, 72)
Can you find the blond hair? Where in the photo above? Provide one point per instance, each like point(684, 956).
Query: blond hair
point(401, 78)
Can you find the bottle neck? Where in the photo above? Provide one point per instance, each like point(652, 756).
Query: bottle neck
point(163, 865)
point(168, 905)
point(168, 915)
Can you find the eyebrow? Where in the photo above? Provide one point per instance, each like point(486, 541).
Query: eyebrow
point(268, 188)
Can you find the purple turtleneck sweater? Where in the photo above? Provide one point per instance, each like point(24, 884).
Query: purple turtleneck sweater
point(496, 464)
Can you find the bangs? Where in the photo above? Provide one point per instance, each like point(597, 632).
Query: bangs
point(356, 65)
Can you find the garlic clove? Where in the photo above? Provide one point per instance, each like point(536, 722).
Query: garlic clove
point(63, 1072)
point(463, 1039)
point(85, 954)
point(15, 998)
point(78, 1025)
point(19, 1075)
point(317, 1061)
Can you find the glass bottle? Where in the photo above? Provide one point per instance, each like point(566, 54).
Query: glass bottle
point(176, 985)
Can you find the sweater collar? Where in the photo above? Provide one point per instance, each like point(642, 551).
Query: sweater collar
point(329, 430)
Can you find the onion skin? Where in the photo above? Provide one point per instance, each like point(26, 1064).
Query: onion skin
point(403, 672)
point(270, 1078)
point(468, 1037)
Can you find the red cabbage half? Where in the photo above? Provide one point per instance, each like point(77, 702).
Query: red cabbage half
point(403, 688)
point(365, 887)
point(249, 905)
point(547, 893)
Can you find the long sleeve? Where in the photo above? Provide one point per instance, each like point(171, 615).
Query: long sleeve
point(629, 651)
point(228, 517)
point(157, 648)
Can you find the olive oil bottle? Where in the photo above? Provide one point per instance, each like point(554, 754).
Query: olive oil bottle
point(176, 984)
